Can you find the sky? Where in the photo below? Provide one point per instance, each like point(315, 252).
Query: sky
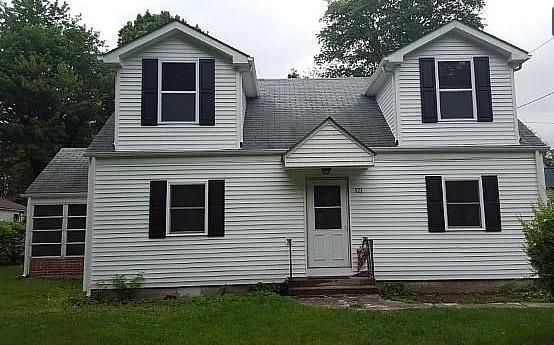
point(281, 35)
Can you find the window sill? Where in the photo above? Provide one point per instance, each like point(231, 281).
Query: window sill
point(464, 229)
point(458, 120)
point(192, 234)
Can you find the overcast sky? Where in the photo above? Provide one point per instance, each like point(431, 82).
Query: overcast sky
point(281, 35)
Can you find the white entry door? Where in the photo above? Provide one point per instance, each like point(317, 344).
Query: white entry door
point(328, 234)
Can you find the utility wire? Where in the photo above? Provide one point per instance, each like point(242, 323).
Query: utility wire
point(536, 99)
point(542, 44)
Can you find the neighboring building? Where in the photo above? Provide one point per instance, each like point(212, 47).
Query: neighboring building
point(11, 211)
point(204, 171)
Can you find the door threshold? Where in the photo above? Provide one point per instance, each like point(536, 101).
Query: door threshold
point(330, 272)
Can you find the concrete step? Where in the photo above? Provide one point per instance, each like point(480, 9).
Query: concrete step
point(332, 290)
point(328, 281)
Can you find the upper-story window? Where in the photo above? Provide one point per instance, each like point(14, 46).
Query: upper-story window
point(455, 91)
point(178, 87)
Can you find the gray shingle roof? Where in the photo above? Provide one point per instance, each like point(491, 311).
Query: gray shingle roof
point(67, 172)
point(287, 109)
point(6, 204)
point(527, 137)
point(103, 141)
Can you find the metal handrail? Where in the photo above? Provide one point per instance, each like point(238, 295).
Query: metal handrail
point(289, 243)
point(368, 244)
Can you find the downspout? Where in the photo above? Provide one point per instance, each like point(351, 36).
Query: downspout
point(27, 253)
point(541, 185)
point(89, 226)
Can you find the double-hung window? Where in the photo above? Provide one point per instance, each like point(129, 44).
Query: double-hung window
point(463, 203)
point(188, 208)
point(455, 91)
point(58, 230)
point(178, 85)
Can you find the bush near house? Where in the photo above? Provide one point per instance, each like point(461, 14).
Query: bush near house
point(12, 242)
point(539, 245)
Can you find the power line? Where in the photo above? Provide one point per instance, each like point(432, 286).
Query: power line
point(536, 99)
point(542, 44)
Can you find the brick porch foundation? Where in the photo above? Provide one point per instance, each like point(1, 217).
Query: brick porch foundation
point(56, 267)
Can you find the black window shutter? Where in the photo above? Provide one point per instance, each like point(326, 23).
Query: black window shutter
point(216, 208)
point(207, 92)
point(435, 208)
point(149, 100)
point(428, 90)
point(483, 89)
point(492, 203)
point(158, 201)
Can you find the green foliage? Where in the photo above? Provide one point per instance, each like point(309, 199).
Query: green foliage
point(125, 288)
point(12, 242)
point(265, 288)
point(35, 311)
point(396, 291)
point(357, 34)
point(144, 23)
point(54, 92)
point(539, 245)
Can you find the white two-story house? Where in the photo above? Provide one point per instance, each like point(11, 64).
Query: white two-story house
point(205, 171)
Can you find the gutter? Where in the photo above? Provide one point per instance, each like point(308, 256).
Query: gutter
point(54, 195)
point(509, 148)
point(230, 152)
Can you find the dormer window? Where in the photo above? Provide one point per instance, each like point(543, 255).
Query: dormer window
point(455, 91)
point(178, 87)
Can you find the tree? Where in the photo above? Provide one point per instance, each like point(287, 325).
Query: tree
point(54, 92)
point(144, 23)
point(357, 34)
point(293, 74)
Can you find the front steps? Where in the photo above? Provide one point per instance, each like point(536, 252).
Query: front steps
point(329, 286)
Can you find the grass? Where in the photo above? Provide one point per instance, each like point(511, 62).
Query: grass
point(39, 311)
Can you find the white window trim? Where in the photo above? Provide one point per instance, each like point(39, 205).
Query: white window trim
point(65, 216)
point(481, 204)
point(168, 208)
point(196, 62)
point(473, 91)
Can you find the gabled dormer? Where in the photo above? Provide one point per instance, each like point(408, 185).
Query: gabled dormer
point(179, 89)
point(452, 87)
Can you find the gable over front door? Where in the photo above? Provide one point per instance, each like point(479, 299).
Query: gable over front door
point(328, 227)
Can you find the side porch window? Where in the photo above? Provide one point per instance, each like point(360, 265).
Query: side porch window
point(58, 230)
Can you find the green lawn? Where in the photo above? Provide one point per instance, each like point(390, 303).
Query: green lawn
point(37, 311)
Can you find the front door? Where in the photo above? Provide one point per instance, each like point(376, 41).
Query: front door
point(328, 234)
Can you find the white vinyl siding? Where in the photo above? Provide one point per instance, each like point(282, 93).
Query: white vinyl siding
point(392, 210)
point(131, 136)
point(501, 131)
point(386, 100)
point(265, 205)
point(328, 147)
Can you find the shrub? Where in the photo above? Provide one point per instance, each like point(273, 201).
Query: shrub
point(126, 288)
point(539, 244)
point(268, 288)
point(395, 291)
point(12, 242)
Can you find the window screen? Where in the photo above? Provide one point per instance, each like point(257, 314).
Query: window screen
point(463, 203)
point(455, 89)
point(327, 207)
point(58, 230)
point(188, 208)
point(178, 91)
